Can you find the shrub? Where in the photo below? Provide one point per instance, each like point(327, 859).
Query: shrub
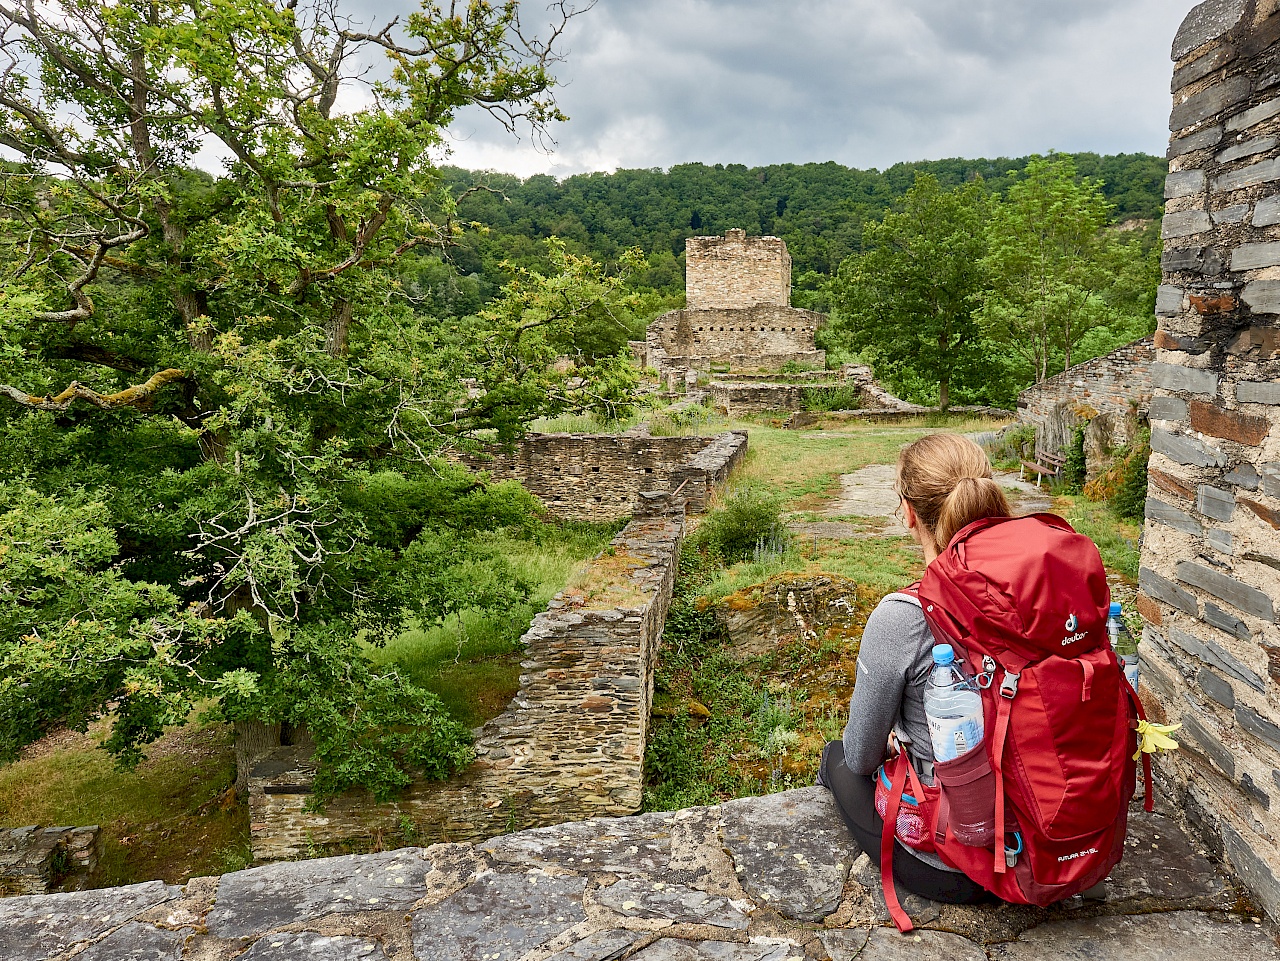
point(1130, 500)
point(822, 399)
point(1013, 445)
point(746, 524)
point(1073, 469)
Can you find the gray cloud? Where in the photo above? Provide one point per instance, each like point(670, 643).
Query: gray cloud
point(863, 82)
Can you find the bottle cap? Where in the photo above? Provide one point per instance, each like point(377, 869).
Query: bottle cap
point(1115, 609)
point(943, 654)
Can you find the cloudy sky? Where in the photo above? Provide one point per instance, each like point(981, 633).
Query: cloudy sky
point(867, 83)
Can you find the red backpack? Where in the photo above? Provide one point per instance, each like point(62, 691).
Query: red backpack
point(1023, 602)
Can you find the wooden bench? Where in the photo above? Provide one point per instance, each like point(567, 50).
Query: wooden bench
point(1046, 464)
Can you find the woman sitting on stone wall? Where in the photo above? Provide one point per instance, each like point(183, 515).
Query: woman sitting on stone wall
point(944, 483)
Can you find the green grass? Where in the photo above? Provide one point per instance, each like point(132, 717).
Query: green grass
point(173, 818)
point(804, 466)
point(474, 667)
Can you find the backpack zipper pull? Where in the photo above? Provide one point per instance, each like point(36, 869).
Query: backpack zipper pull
point(988, 674)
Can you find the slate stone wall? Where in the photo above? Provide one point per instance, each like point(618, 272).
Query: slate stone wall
point(1210, 575)
point(736, 271)
point(1111, 383)
point(600, 477)
point(570, 744)
point(747, 394)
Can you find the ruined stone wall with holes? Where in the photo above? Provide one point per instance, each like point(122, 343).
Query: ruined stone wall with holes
point(600, 477)
point(1112, 383)
point(737, 312)
point(569, 746)
point(1210, 574)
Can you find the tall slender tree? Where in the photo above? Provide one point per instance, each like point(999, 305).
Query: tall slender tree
point(908, 300)
point(1046, 263)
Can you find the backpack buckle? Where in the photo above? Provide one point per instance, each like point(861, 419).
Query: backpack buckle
point(1009, 686)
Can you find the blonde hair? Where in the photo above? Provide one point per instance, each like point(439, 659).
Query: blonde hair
point(947, 480)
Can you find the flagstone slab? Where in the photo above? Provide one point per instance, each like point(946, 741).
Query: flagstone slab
point(673, 902)
point(1174, 936)
point(259, 899)
point(46, 925)
point(886, 944)
point(599, 946)
point(672, 949)
point(633, 845)
point(307, 946)
point(498, 917)
point(138, 942)
point(791, 850)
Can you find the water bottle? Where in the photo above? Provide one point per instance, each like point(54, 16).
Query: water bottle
point(952, 706)
point(1124, 644)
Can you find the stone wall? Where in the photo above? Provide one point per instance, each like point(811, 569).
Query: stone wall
point(744, 338)
point(752, 395)
point(1112, 383)
point(36, 860)
point(736, 271)
point(737, 312)
point(1210, 575)
point(708, 469)
point(600, 477)
point(570, 744)
point(774, 878)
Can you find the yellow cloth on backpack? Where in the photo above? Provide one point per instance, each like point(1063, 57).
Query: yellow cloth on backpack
point(1155, 737)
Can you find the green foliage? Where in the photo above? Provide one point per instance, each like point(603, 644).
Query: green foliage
point(908, 300)
point(1054, 274)
point(828, 399)
point(1013, 445)
point(746, 523)
point(1117, 539)
point(242, 488)
point(1073, 465)
point(1130, 501)
point(677, 772)
point(819, 209)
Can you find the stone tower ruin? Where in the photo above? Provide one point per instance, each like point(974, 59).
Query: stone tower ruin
point(1210, 569)
point(737, 313)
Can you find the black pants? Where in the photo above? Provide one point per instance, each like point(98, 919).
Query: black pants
point(855, 799)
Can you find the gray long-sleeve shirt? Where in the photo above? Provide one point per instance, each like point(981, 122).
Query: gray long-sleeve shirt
point(894, 662)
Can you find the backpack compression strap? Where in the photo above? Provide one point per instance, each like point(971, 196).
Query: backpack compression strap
point(1004, 705)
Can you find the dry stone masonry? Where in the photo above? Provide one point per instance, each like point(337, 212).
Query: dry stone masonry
point(36, 860)
point(775, 878)
point(738, 311)
point(1110, 394)
point(570, 744)
point(1113, 383)
point(601, 477)
point(1210, 575)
